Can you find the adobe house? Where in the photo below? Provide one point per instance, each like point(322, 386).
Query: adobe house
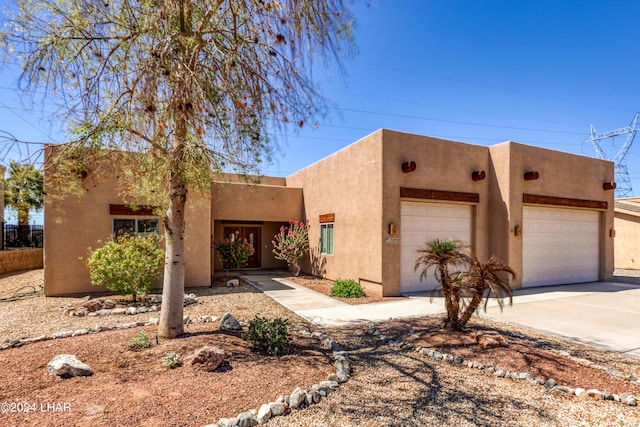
point(547, 214)
point(627, 231)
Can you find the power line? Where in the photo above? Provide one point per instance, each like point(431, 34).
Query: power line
point(519, 92)
point(460, 122)
point(12, 110)
point(444, 107)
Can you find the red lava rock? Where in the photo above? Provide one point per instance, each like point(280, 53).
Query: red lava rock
point(208, 358)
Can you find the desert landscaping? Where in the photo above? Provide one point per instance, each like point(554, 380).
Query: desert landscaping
point(402, 372)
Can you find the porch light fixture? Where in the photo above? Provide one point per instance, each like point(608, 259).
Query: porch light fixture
point(392, 229)
point(609, 185)
point(478, 175)
point(612, 233)
point(531, 175)
point(408, 167)
point(517, 230)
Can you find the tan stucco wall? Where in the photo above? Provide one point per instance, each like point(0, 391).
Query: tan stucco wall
point(25, 259)
point(562, 175)
point(267, 204)
point(352, 182)
point(627, 240)
point(239, 201)
point(440, 165)
point(348, 184)
point(73, 224)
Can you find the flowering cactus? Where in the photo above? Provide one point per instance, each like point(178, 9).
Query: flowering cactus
point(291, 244)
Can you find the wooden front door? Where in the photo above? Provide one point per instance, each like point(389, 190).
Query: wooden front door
point(252, 234)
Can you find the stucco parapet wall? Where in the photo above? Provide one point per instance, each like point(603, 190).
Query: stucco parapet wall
point(228, 178)
point(245, 202)
point(626, 208)
point(24, 259)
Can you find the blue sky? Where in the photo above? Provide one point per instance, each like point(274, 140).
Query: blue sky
point(480, 71)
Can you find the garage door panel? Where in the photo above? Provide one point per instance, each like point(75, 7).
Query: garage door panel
point(560, 246)
point(421, 222)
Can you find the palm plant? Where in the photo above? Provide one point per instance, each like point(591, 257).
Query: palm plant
point(464, 280)
point(483, 280)
point(23, 190)
point(441, 255)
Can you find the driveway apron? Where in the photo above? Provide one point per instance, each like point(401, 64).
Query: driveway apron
point(604, 314)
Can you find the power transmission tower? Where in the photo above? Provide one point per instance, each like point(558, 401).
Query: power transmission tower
point(623, 182)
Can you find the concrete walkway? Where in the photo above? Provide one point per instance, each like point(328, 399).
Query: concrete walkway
point(604, 314)
point(325, 311)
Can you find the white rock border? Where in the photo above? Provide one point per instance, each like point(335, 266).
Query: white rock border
point(299, 398)
point(627, 398)
point(156, 300)
point(99, 328)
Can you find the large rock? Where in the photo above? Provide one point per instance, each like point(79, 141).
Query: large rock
point(246, 419)
point(92, 305)
point(67, 365)
point(264, 413)
point(96, 305)
point(277, 408)
point(229, 323)
point(207, 358)
point(297, 398)
point(190, 299)
point(108, 304)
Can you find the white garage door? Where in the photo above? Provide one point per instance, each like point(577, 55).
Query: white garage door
point(422, 222)
point(560, 246)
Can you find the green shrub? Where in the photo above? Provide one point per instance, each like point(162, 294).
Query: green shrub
point(140, 341)
point(347, 288)
point(127, 265)
point(270, 337)
point(172, 360)
point(234, 253)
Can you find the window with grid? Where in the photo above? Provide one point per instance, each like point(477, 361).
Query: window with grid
point(326, 238)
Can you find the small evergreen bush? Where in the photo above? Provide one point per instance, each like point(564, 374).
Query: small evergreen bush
point(347, 288)
point(270, 337)
point(140, 341)
point(172, 360)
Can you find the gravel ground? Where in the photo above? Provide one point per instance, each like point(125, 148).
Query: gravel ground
point(34, 316)
point(393, 387)
point(389, 386)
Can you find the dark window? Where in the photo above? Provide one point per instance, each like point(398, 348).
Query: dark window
point(122, 226)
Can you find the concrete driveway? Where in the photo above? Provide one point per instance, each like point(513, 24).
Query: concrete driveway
point(604, 314)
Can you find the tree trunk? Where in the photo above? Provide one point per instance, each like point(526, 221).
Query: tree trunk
point(448, 301)
point(171, 325)
point(171, 315)
point(471, 308)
